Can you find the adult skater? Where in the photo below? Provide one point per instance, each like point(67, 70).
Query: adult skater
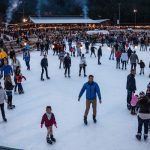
point(26, 58)
point(143, 116)
point(67, 64)
point(93, 50)
point(124, 59)
point(131, 87)
point(2, 99)
point(134, 60)
point(44, 65)
point(82, 65)
point(92, 89)
point(99, 55)
point(61, 58)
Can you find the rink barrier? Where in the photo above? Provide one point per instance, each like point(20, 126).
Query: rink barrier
point(8, 148)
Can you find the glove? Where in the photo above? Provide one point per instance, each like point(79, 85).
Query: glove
point(79, 99)
point(41, 125)
point(55, 125)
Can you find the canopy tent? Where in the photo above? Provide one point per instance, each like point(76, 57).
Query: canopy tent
point(65, 20)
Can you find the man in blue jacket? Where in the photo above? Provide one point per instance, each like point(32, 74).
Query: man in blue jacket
point(92, 89)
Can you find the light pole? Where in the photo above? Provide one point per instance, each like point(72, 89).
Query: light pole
point(119, 5)
point(135, 15)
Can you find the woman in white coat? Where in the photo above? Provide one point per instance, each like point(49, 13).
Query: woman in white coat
point(124, 59)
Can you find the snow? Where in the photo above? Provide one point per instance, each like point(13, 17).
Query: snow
point(115, 129)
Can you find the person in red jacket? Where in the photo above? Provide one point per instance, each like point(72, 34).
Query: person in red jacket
point(19, 78)
point(49, 120)
point(118, 56)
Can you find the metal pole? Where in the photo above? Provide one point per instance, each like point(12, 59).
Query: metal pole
point(119, 13)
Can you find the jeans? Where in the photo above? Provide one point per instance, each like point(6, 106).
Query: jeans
point(93, 52)
point(118, 63)
point(99, 61)
point(142, 71)
point(129, 96)
point(67, 69)
point(84, 69)
point(142, 122)
point(133, 66)
point(88, 104)
point(20, 88)
point(124, 63)
point(44, 68)
point(28, 65)
point(2, 111)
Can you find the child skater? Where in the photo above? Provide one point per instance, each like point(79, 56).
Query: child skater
point(134, 101)
point(49, 120)
point(19, 78)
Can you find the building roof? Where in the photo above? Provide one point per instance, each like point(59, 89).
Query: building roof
point(65, 20)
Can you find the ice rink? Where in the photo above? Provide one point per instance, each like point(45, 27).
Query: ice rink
point(115, 129)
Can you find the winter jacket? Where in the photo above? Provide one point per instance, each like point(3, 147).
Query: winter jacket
point(134, 100)
point(62, 55)
point(2, 95)
point(48, 122)
point(118, 54)
point(129, 52)
point(91, 91)
point(142, 64)
point(3, 55)
point(144, 105)
point(6, 70)
point(19, 78)
point(124, 56)
point(83, 61)
point(131, 83)
point(44, 62)
point(67, 61)
point(134, 59)
point(12, 54)
point(8, 86)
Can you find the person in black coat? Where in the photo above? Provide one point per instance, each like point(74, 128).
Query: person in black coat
point(129, 51)
point(131, 87)
point(44, 65)
point(143, 116)
point(12, 53)
point(99, 55)
point(67, 64)
point(142, 66)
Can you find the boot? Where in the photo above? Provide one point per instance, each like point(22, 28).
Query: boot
point(5, 120)
point(145, 137)
point(138, 136)
point(48, 78)
point(85, 121)
point(94, 119)
point(53, 139)
point(48, 140)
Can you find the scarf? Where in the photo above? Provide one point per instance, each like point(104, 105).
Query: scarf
point(49, 116)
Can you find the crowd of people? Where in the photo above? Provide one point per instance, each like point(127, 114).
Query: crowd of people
point(68, 44)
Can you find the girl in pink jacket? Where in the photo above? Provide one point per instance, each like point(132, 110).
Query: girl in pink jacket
point(134, 101)
point(49, 120)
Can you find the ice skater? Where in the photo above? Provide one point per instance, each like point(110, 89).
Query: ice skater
point(44, 65)
point(92, 89)
point(49, 120)
point(2, 100)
